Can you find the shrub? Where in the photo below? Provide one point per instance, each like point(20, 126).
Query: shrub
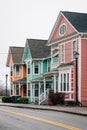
point(23, 100)
point(56, 98)
point(6, 99)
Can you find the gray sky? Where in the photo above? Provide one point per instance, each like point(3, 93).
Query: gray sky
point(21, 19)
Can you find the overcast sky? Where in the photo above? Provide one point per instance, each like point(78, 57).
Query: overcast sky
point(22, 19)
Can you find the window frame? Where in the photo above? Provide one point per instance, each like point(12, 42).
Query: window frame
point(63, 53)
point(65, 84)
point(62, 29)
point(35, 67)
point(73, 49)
point(17, 73)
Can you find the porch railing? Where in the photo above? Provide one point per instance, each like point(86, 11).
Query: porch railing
point(43, 96)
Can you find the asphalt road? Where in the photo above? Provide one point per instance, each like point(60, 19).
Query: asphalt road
point(29, 119)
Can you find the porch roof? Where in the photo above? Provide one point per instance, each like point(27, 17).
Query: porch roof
point(41, 79)
point(22, 81)
point(65, 64)
point(51, 73)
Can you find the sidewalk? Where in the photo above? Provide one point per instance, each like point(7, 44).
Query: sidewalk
point(73, 110)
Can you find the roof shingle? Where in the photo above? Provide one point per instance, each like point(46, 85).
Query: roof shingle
point(78, 20)
point(38, 48)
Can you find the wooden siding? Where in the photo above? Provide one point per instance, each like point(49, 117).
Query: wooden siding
point(69, 30)
point(84, 73)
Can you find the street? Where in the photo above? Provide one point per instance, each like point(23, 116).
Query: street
point(29, 119)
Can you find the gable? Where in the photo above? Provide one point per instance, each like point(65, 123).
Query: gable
point(10, 62)
point(27, 53)
point(69, 29)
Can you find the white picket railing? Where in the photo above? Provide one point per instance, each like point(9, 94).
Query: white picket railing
point(43, 96)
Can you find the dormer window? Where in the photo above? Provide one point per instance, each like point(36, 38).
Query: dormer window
point(62, 30)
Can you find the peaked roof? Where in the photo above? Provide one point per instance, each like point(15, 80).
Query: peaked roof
point(17, 53)
point(38, 48)
point(78, 20)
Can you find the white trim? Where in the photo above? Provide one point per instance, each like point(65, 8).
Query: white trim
point(72, 48)
point(63, 39)
point(84, 38)
point(61, 53)
point(79, 68)
point(44, 87)
point(65, 30)
point(69, 22)
point(54, 27)
point(16, 71)
point(65, 72)
point(38, 68)
point(56, 23)
point(54, 83)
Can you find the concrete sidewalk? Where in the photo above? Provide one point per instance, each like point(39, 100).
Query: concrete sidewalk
point(73, 110)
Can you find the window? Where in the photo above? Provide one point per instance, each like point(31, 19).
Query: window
point(48, 65)
point(17, 90)
point(73, 48)
point(36, 67)
point(36, 90)
point(62, 30)
point(17, 70)
point(62, 51)
point(28, 89)
point(11, 72)
point(64, 82)
point(28, 68)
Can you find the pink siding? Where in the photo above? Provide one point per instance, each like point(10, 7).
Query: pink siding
point(70, 30)
point(68, 52)
point(84, 73)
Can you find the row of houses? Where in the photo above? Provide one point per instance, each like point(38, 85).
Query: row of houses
point(42, 66)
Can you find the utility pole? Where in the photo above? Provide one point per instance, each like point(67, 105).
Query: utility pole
point(6, 83)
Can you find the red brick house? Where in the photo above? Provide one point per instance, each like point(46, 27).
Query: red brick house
point(69, 35)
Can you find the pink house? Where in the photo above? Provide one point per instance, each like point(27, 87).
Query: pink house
point(69, 35)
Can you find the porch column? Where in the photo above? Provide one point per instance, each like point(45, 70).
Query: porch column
point(54, 83)
point(39, 93)
point(31, 91)
point(13, 89)
point(44, 87)
point(19, 88)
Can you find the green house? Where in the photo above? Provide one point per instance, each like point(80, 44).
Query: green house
point(41, 77)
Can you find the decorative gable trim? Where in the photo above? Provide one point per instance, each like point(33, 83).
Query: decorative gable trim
point(69, 22)
point(55, 25)
point(26, 45)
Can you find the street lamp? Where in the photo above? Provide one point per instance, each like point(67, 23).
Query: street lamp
point(76, 55)
point(6, 83)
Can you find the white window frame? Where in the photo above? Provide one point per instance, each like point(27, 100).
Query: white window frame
point(16, 70)
point(62, 73)
point(48, 65)
point(73, 49)
point(62, 53)
point(61, 26)
point(34, 68)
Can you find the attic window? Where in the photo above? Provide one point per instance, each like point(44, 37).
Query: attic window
point(62, 29)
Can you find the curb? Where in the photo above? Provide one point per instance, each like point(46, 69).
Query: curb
point(48, 109)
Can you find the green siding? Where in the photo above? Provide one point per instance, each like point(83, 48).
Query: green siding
point(55, 58)
point(44, 66)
